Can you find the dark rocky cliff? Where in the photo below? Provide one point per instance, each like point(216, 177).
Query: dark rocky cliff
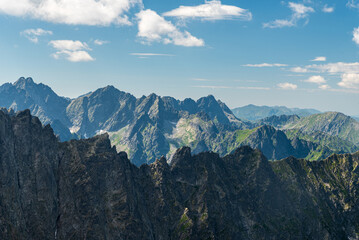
point(86, 190)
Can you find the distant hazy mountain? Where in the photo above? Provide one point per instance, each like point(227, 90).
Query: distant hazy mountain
point(253, 112)
point(152, 126)
point(278, 121)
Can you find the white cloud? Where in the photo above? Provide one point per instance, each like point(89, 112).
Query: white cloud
point(151, 54)
point(100, 42)
point(329, 68)
point(279, 23)
point(154, 28)
point(334, 68)
point(316, 79)
point(287, 86)
point(210, 10)
point(73, 51)
point(324, 87)
point(299, 70)
point(265, 65)
point(349, 80)
point(299, 11)
point(356, 35)
point(349, 73)
point(352, 4)
point(328, 9)
point(82, 12)
point(34, 34)
point(76, 56)
point(319, 59)
point(69, 45)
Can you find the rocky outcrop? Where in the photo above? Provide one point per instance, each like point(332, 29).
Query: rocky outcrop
point(84, 189)
point(29, 163)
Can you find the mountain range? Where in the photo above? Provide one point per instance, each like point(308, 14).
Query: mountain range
point(332, 130)
point(85, 189)
point(252, 112)
point(153, 126)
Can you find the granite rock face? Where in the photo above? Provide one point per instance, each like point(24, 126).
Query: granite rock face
point(84, 189)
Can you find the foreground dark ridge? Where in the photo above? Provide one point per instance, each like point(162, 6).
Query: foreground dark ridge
point(86, 190)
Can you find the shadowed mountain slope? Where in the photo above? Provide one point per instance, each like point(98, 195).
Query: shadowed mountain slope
point(85, 189)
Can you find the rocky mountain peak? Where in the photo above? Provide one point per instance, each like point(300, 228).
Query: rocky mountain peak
point(213, 108)
point(210, 99)
point(189, 105)
point(182, 156)
point(24, 82)
point(104, 93)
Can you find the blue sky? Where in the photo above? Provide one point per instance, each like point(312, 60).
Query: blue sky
point(242, 52)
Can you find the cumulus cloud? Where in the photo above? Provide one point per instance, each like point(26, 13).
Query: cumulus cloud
point(299, 70)
point(266, 65)
point(34, 34)
point(82, 12)
point(287, 86)
point(324, 87)
point(349, 73)
point(100, 42)
point(319, 59)
point(330, 68)
point(349, 80)
point(316, 79)
point(299, 11)
point(356, 35)
point(73, 51)
point(154, 28)
point(328, 9)
point(210, 10)
point(334, 68)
